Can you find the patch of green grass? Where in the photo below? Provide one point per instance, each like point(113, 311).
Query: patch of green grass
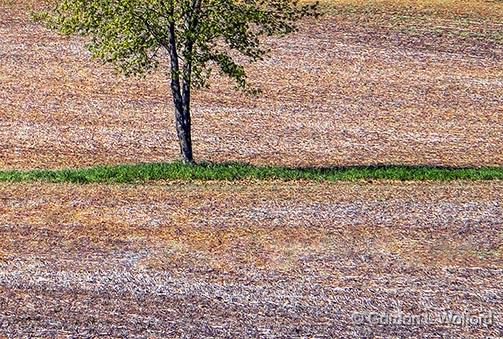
point(138, 173)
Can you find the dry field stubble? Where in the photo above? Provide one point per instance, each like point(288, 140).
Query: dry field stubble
point(249, 258)
point(347, 89)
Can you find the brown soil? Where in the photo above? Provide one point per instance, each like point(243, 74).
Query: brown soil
point(248, 259)
point(258, 259)
point(344, 90)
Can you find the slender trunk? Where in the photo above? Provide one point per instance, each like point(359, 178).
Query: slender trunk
point(186, 82)
point(181, 102)
point(186, 145)
point(183, 130)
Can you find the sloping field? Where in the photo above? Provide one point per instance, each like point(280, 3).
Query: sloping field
point(249, 259)
point(388, 81)
point(362, 85)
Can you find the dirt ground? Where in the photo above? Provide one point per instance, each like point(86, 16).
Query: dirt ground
point(261, 259)
point(248, 259)
point(345, 90)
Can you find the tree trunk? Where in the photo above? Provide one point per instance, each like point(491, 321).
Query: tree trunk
point(183, 130)
point(181, 101)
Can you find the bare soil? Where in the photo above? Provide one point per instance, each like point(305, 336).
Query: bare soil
point(344, 90)
point(248, 259)
point(259, 259)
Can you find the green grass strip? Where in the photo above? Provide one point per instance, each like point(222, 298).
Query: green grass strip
point(138, 173)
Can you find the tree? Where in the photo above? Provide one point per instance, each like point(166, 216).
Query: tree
point(194, 36)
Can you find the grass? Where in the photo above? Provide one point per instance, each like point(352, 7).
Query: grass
point(138, 173)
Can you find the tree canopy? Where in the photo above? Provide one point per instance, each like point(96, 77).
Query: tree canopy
point(195, 36)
